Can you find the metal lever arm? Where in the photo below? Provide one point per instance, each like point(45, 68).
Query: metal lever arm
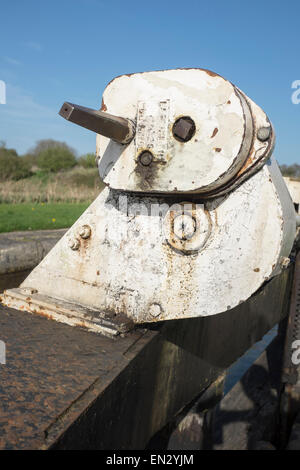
point(117, 128)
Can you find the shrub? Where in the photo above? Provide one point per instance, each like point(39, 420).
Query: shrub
point(87, 161)
point(12, 166)
point(46, 144)
point(56, 158)
point(30, 159)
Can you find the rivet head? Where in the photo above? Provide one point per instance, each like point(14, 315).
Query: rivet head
point(74, 244)
point(146, 158)
point(264, 133)
point(85, 231)
point(184, 129)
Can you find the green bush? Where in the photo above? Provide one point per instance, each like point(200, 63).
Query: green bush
point(46, 144)
point(30, 159)
point(12, 167)
point(56, 158)
point(87, 161)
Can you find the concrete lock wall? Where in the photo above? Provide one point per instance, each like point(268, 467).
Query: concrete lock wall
point(20, 252)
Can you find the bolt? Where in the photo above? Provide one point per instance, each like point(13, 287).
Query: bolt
point(184, 226)
point(146, 158)
point(264, 133)
point(284, 262)
point(184, 129)
point(155, 310)
point(74, 244)
point(85, 231)
point(29, 290)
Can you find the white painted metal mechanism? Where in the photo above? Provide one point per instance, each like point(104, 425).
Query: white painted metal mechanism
point(195, 215)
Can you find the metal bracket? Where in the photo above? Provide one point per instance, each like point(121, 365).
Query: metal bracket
point(66, 312)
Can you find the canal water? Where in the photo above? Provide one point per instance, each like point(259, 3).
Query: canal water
point(238, 368)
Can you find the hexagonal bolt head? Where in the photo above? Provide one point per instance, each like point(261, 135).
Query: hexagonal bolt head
point(85, 231)
point(184, 129)
point(155, 310)
point(74, 244)
point(264, 133)
point(146, 158)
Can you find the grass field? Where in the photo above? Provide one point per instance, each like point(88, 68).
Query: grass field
point(40, 216)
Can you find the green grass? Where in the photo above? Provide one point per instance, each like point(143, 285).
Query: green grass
point(41, 216)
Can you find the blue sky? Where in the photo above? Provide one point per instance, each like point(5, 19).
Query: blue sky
point(68, 50)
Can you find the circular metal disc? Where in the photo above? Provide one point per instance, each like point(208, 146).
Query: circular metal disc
point(215, 152)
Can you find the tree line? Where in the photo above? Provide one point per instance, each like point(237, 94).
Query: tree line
point(292, 171)
point(52, 156)
point(47, 155)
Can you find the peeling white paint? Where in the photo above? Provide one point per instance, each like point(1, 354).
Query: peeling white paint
point(119, 258)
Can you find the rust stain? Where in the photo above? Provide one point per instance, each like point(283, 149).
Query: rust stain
point(217, 149)
point(210, 73)
point(103, 106)
point(247, 163)
point(256, 270)
point(82, 252)
point(186, 283)
point(146, 175)
point(214, 132)
point(42, 313)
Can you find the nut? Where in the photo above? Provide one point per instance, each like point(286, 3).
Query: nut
point(184, 226)
point(264, 133)
point(146, 158)
point(187, 227)
point(74, 244)
point(85, 231)
point(284, 262)
point(155, 310)
point(184, 129)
